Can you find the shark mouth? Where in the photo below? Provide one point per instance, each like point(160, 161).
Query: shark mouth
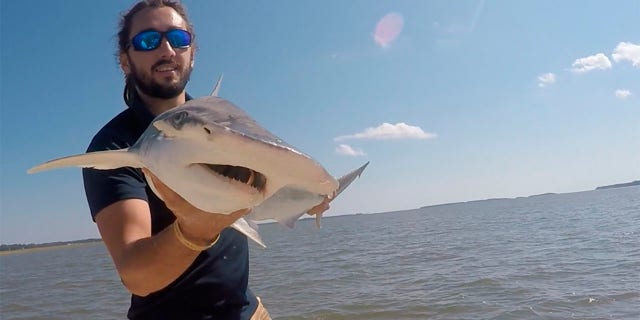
point(244, 175)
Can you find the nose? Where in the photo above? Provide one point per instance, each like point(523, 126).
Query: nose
point(165, 49)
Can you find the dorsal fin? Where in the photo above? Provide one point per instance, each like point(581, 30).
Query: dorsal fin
point(216, 88)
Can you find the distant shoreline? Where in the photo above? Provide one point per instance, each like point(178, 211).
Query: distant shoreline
point(31, 247)
point(6, 249)
point(620, 185)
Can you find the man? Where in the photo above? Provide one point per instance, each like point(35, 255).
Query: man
point(177, 261)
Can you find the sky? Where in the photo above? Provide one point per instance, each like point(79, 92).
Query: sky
point(449, 100)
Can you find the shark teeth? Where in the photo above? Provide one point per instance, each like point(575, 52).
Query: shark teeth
point(240, 174)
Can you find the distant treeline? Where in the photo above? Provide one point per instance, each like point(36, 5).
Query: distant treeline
point(21, 246)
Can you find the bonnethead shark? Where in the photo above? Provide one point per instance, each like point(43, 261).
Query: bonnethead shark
point(219, 159)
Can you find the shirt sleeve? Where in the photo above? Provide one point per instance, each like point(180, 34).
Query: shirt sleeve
point(105, 187)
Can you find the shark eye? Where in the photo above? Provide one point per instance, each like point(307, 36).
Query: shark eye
point(179, 118)
point(207, 130)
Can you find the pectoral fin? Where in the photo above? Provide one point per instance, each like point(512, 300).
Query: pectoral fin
point(102, 160)
point(249, 229)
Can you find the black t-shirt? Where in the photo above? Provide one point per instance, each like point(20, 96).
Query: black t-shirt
point(215, 286)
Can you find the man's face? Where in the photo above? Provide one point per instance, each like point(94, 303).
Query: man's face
point(163, 72)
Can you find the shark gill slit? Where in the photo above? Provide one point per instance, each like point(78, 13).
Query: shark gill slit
point(242, 174)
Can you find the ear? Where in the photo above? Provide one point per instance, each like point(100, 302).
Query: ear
point(193, 57)
point(124, 63)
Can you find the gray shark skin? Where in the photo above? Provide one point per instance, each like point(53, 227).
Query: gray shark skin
point(290, 203)
point(220, 160)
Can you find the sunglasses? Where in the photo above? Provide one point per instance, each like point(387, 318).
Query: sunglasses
point(149, 40)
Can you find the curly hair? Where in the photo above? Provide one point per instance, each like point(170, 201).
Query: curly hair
point(126, 20)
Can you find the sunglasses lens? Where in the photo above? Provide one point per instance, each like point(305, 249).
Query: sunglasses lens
point(146, 40)
point(179, 38)
point(151, 39)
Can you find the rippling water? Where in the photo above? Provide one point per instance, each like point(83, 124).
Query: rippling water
point(559, 256)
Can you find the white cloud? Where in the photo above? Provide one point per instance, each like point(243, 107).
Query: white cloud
point(388, 131)
point(546, 79)
point(347, 150)
point(622, 94)
point(586, 64)
point(627, 51)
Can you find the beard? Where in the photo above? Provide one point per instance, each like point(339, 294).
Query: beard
point(150, 87)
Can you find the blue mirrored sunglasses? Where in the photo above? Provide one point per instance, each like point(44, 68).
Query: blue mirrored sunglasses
point(151, 39)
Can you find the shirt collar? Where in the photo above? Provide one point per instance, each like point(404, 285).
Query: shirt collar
point(141, 111)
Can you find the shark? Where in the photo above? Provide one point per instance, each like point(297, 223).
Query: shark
point(219, 159)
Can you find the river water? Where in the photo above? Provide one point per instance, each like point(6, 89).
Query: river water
point(556, 256)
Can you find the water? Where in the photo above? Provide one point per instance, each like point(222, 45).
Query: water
point(565, 256)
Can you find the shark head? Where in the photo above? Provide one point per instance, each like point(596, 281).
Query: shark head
point(234, 156)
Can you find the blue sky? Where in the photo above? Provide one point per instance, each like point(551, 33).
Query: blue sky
point(449, 100)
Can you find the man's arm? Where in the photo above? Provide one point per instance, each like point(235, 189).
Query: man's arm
point(149, 263)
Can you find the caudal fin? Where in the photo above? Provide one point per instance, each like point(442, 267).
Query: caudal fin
point(346, 180)
point(103, 160)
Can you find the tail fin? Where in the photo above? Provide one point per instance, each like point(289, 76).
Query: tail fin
point(344, 182)
point(103, 160)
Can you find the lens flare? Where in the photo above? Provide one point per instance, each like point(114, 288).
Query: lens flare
point(388, 29)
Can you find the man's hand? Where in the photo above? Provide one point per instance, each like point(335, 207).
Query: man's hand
point(198, 226)
point(319, 209)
